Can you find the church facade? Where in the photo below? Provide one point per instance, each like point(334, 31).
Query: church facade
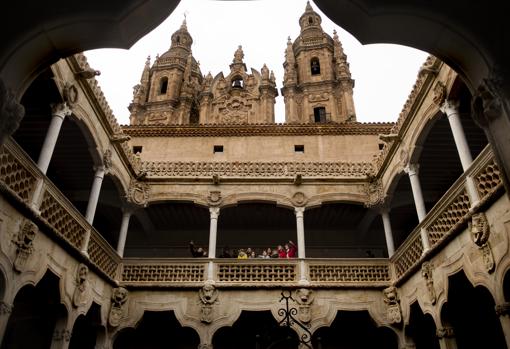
point(399, 227)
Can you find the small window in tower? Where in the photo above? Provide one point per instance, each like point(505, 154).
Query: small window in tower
point(178, 39)
point(237, 82)
point(218, 149)
point(310, 20)
point(299, 148)
point(137, 149)
point(381, 146)
point(319, 114)
point(163, 85)
point(315, 66)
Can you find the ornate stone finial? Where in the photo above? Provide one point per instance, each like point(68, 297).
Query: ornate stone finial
point(289, 41)
point(238, 55)
point(393, 311)
point(148, 61)
point(138, 193)
point(304, 298)
point(426, 272)
point(480, 233)
point(272, 77)
point(335, 35)
point(119, 299)
point(24, 242)
point(308, 7)
point(264, 72)
point(208, 296)
point(80, 292)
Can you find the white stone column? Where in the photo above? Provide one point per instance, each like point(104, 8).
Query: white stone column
point(300, 227)
point(94, 194)
point(446, 338)
point(388, 233)
point(213, 230)
point(503, 312)
point(451, 109)
point(126, 215)
point(59, 112)
point(419, 202)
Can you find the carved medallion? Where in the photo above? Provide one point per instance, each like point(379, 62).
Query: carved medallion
point(480, 233)
point(299, 199)
point(70, 94)
point(138, 193)
point(426, 272)
point(24, 245)
point(80, 292)
point(214, 198)
point(393, 311)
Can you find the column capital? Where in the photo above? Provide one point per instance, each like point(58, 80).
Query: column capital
point(60, 109)
point(445, 332)
point(450, 107)
point(412, 169)
point(214, 212)
point(5, 308)
point(502, 309)
point(99, 171)
point(299, 211)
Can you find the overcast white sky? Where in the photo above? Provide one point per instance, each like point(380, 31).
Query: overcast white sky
point(383, 74)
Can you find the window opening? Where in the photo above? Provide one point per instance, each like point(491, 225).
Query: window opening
point(299, 148)
point(218, 149)
point(137, 149)
point(315, 66)
point(163, 85)
point(319, 114)
point(237, 83)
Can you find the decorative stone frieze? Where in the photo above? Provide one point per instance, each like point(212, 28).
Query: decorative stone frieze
point(235, 169)
point(119, 299)
point(24, 242)
point(439, 93)
point(480, 233)
point(80, 292)
point(138, 193)
point(208, 296)
point(392, 301)
point(426, 273)
point(304, 298)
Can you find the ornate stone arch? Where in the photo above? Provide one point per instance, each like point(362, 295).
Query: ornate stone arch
point(280, 200)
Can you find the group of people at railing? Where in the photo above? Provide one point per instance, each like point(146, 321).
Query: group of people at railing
point(288, 250)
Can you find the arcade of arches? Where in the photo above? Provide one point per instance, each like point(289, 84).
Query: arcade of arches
point(401, 228)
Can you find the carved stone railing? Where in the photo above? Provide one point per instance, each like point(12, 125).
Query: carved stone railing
point(161, 272)
point(264, 272)
point(59, 216)
point(349, 272)
point(257, 169)
point(450, 213)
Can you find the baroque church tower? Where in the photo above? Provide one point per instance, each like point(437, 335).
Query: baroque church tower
point(168, 91)
point(317, 85)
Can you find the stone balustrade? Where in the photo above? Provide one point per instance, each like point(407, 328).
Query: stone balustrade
point(21, 182)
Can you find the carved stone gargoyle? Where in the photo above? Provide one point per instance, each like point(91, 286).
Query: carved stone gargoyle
point(304, 297)
point(80, 292)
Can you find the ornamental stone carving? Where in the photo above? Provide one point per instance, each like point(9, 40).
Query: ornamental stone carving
point(487, 105)
point(214, 198)
point(138, 193)
point(445, 332)
point(439, 93)
point(107, 160)
point(304, 298)
point(480, 233)
point(62, 335)
point(426, 272)
point(502, 309)
point(299, 199)
point(5, 309)
point(208, 296)
point(70, 94)
point(392, 301)
point(80, 292)
point(24, 242)
point(375, 194)
point(11, 112)
point(119, 299)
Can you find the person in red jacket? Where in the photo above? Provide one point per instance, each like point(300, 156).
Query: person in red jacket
point(290, 249)
point(281, 252)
